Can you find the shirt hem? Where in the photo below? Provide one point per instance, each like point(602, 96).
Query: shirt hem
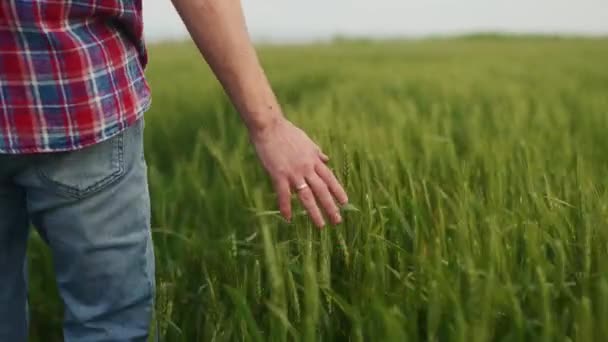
point(124, 124)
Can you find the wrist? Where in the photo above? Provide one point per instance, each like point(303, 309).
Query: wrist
point(258, 123)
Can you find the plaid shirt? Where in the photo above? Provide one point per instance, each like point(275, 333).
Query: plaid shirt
point(71, 72)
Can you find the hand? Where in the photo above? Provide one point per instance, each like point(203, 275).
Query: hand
point(295, 163)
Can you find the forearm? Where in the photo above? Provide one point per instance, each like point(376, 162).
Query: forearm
point(219, 31)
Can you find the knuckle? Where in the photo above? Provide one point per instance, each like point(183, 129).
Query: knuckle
point(337, 189)
point(306, 196)
point(307, 168)
point(318, 169)
point(323, 188)
point(329, 202)
point(316, 183)
point(282, 173)
point(331, 208)
point(336, 185)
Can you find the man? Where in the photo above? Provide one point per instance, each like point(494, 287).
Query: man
point(72, 98)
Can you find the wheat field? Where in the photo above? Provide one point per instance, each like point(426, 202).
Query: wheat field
point(477, 169)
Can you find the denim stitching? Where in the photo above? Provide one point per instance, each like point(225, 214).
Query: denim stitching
point(117, 149)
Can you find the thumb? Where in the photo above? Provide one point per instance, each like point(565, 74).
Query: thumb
point(324, 157)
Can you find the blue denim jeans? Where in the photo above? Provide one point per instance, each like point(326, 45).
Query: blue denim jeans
point(92, 208)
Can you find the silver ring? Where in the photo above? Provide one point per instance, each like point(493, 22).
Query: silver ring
point(302, 186)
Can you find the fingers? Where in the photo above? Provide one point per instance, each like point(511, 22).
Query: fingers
point(318, 190)
point(332, 183)
point(307, 198)
point(284, 197)
point(324, 198)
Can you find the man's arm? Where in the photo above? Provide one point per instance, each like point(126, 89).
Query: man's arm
point(286, 152)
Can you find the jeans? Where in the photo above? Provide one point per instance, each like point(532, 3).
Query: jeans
point(92, 208)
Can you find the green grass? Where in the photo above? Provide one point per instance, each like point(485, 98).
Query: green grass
point(478, 167)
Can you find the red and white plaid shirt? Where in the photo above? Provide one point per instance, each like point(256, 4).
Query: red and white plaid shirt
point(71, 72)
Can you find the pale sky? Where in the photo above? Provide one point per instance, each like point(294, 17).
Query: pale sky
point(314, 19)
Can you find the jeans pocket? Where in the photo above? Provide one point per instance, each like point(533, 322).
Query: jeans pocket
point(83, 172)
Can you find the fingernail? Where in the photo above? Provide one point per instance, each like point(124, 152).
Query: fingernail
point(337, 218)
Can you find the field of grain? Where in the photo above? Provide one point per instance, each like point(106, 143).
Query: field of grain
point(477, 170)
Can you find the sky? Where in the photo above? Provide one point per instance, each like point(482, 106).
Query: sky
point(287, 20)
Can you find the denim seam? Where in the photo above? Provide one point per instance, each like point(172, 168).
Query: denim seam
point(145, 264)
point(117, 149)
